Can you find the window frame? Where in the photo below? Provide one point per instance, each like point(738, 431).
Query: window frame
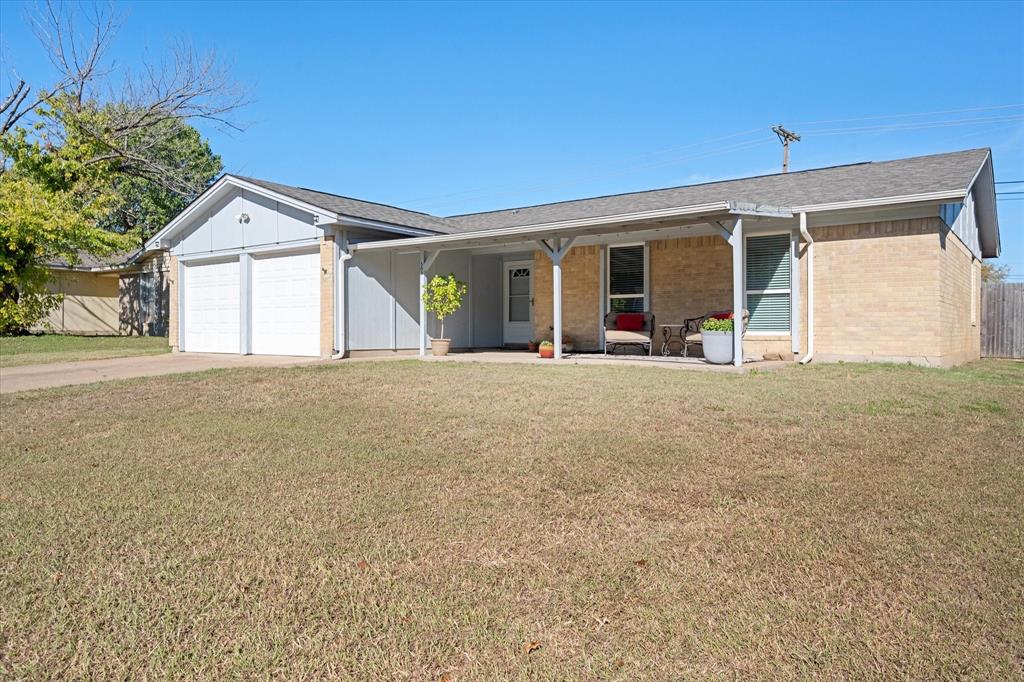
point(608, 295)
point(794, 265)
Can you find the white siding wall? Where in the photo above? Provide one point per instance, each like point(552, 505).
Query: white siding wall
point(383, 301)
point(269, 223)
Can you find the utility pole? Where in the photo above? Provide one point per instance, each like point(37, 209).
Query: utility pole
point(785, 137)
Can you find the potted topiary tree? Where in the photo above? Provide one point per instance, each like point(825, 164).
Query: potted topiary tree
point(716, 338)
point(443, 297)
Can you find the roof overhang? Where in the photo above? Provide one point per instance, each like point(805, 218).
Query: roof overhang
point(986, 214)
point(221, 188)
point(598, 225)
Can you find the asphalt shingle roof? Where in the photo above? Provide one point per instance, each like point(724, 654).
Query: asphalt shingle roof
point(88, 260)
point(357, 208)
point(861, 181)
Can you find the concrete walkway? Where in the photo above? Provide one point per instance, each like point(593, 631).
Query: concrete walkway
point(13, 379)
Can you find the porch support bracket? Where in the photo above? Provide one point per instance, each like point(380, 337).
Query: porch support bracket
point(556, 249)
point(426, 260)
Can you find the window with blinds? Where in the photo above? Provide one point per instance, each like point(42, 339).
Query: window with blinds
point(768, 283)
point(627, 279)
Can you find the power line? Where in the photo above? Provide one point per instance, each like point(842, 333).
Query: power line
point(923, 113)
point(1010, 182)
point(919, 125)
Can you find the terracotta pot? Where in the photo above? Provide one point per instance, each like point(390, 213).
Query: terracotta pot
point(439, 347)
point(547, 351)
point(532, 346)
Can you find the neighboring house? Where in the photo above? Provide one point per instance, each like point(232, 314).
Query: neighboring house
point(868, 261)
point(122, 294)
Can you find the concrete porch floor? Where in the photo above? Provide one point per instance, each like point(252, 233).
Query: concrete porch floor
point(670, 362)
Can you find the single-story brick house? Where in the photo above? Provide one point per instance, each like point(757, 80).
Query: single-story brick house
point(868, 261)
point(124, 294)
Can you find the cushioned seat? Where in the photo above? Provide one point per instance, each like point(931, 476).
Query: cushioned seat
point(618, 336)
point(630, 332)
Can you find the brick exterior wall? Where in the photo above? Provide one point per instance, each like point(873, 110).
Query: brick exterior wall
point(581, 296)
point(959, 302)
point(327, 265)
point(886, 291)
point(172, 303)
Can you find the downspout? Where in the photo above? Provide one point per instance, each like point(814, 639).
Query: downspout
point(341, 296)
point(810, 290)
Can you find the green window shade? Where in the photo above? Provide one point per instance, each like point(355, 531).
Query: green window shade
point(768, 262)
point(768, 312)
point(768, 283)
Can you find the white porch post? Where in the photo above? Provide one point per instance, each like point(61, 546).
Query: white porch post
point(556, 252)
point(426, 260)
point(556, 282)
point(736, 239)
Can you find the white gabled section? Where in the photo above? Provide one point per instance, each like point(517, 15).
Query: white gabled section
point(219, 190)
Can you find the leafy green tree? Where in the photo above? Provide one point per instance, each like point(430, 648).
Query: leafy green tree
point(443, 296)
point(101, 160)
point(39, 224)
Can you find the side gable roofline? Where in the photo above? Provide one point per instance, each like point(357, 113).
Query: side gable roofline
point(984, 187)
point(223, 184)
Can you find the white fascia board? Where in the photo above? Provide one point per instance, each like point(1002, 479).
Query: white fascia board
point(759, 210)
point(882, 201)
point(321, 215)
point(529, 232)
point(352, 221)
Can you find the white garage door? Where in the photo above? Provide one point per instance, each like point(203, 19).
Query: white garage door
point(286, 305)
point(211, 308)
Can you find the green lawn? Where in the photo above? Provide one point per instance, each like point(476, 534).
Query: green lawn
point(428, 521)
point(16, 351)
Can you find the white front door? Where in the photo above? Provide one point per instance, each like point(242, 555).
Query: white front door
point(286, 305)
point(211, 316)
point(517, 313)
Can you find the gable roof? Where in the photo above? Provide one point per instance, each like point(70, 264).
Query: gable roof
point(357, 208)
point(938, 177)
point(952, 172)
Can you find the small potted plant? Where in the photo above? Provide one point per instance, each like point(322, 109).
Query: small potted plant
point(567, 345)
point(532, 345)
point(443, 297)
point(547, 349)
point(716, 337)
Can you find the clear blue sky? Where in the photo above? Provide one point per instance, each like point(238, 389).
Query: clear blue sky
point(450, 108)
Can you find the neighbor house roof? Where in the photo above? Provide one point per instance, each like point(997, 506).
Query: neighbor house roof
point(919, 175)
point(357, 208)
point(89, 261)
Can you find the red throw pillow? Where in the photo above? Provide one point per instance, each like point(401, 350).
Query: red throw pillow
point(722, 316)
point(629, 322)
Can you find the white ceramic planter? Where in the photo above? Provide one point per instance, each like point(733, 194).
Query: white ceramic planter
point(717, 347)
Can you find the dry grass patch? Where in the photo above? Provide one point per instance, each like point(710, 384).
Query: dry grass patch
point(419, 520)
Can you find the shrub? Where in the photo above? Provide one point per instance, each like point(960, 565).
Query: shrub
point(443, 297)
point(713, 325)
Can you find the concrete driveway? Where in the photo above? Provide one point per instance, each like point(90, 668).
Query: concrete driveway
point(13, 379)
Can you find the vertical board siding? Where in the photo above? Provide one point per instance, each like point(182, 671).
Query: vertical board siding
point(1002, 320)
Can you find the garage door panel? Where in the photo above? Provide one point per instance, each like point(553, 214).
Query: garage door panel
point(286, 305)
point(212, 317)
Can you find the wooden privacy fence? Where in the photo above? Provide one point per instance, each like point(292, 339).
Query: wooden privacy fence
point(1002, 320)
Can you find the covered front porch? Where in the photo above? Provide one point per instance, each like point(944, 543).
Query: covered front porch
point(559, 281)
